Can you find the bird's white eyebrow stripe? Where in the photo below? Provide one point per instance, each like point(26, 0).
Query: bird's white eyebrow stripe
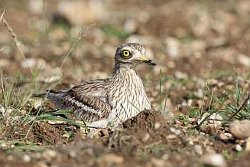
point(126, 48)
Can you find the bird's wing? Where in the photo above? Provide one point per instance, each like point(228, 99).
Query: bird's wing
point(89, 100)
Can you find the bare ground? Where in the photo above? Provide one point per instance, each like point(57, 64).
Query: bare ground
point(200, 47)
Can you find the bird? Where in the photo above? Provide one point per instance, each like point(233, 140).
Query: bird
point(108, 102)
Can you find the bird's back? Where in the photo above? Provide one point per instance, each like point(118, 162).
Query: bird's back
point(88, 100)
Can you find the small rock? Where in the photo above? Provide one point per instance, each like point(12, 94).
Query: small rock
point(240, 129)
point(244, 60)
point(158, 162)
point(173, 47)
point(175, 131)
point(72, 154)
point(210, 124)
point(215, 160)
point(146, 137)
point(49, 154)
point(209, 128)
point(198, 149)
point(33, 63)
point(181, 75)
point(226, 136)
point(26, 158)
point(111, 159)
point(41, 164)
point(165, 156)
point(157, 125)
point(4, 62)
point(87, 11)
point(2, 110)
point(37, 6)
point(171, 137)
point(199, 93)
point(238, 147)
point(191, 142)
point(248, 144)
point(57, 34)
point(51, 75)
point(130, 26)
point(215, 118)
point(36, 103)
point(10, 157)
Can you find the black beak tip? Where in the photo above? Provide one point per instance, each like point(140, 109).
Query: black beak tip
point(151, 62)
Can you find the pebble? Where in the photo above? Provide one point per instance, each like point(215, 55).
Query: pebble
point(215, 118)
point(130, 25)
point(87, 12)
point(238, 147)
point(2, 110)
point(209, 128)
point(191, 142)
point(49, 154)
point(112, 158)
point(4, 62)
point(41, 164)
point(171, 137)
point(157, 125)
point(173, 47)
point(240, 129)
point(198, 149)
point(158, 162)
point(146, 137)
point(226, 136)
point(210, 124)
point(181, 75)
point(34, 63)
point(72, 154)
point(244, 60)
point(26, 158)
point(37, 6)
point(248, 144)
point(10, 157)
point(215, 160)
point(165, 157)
point(175, 131)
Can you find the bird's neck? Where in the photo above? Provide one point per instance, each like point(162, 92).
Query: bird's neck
point(123, 69)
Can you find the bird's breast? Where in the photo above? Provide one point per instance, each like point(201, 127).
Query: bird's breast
point(127, 96)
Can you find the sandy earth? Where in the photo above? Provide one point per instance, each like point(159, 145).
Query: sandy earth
point(198, 46)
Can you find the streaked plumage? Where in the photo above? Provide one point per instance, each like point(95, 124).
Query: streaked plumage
point(110, 101)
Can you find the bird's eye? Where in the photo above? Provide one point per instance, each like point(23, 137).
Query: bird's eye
point(126, 54)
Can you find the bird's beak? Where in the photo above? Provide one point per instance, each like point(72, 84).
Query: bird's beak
point(146, 60)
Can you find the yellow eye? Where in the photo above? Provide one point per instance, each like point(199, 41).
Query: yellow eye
point(126, 53)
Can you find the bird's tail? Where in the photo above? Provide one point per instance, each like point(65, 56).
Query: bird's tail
point(45, 95)
point(40, 95)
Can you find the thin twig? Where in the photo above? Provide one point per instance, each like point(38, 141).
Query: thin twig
point(240, 108)
point(16, 41)
point(2, 85)
point(209, 115)
point(14, 36)
point(209, 109)
point(1, 17)
point(74, 44)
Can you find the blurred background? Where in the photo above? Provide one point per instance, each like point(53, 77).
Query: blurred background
point(74, 40)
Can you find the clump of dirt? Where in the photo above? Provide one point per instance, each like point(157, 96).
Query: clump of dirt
point(46, 133)
point(144, 129)
point(146, 121)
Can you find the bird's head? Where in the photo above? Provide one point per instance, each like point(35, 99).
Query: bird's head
point(131, 54)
